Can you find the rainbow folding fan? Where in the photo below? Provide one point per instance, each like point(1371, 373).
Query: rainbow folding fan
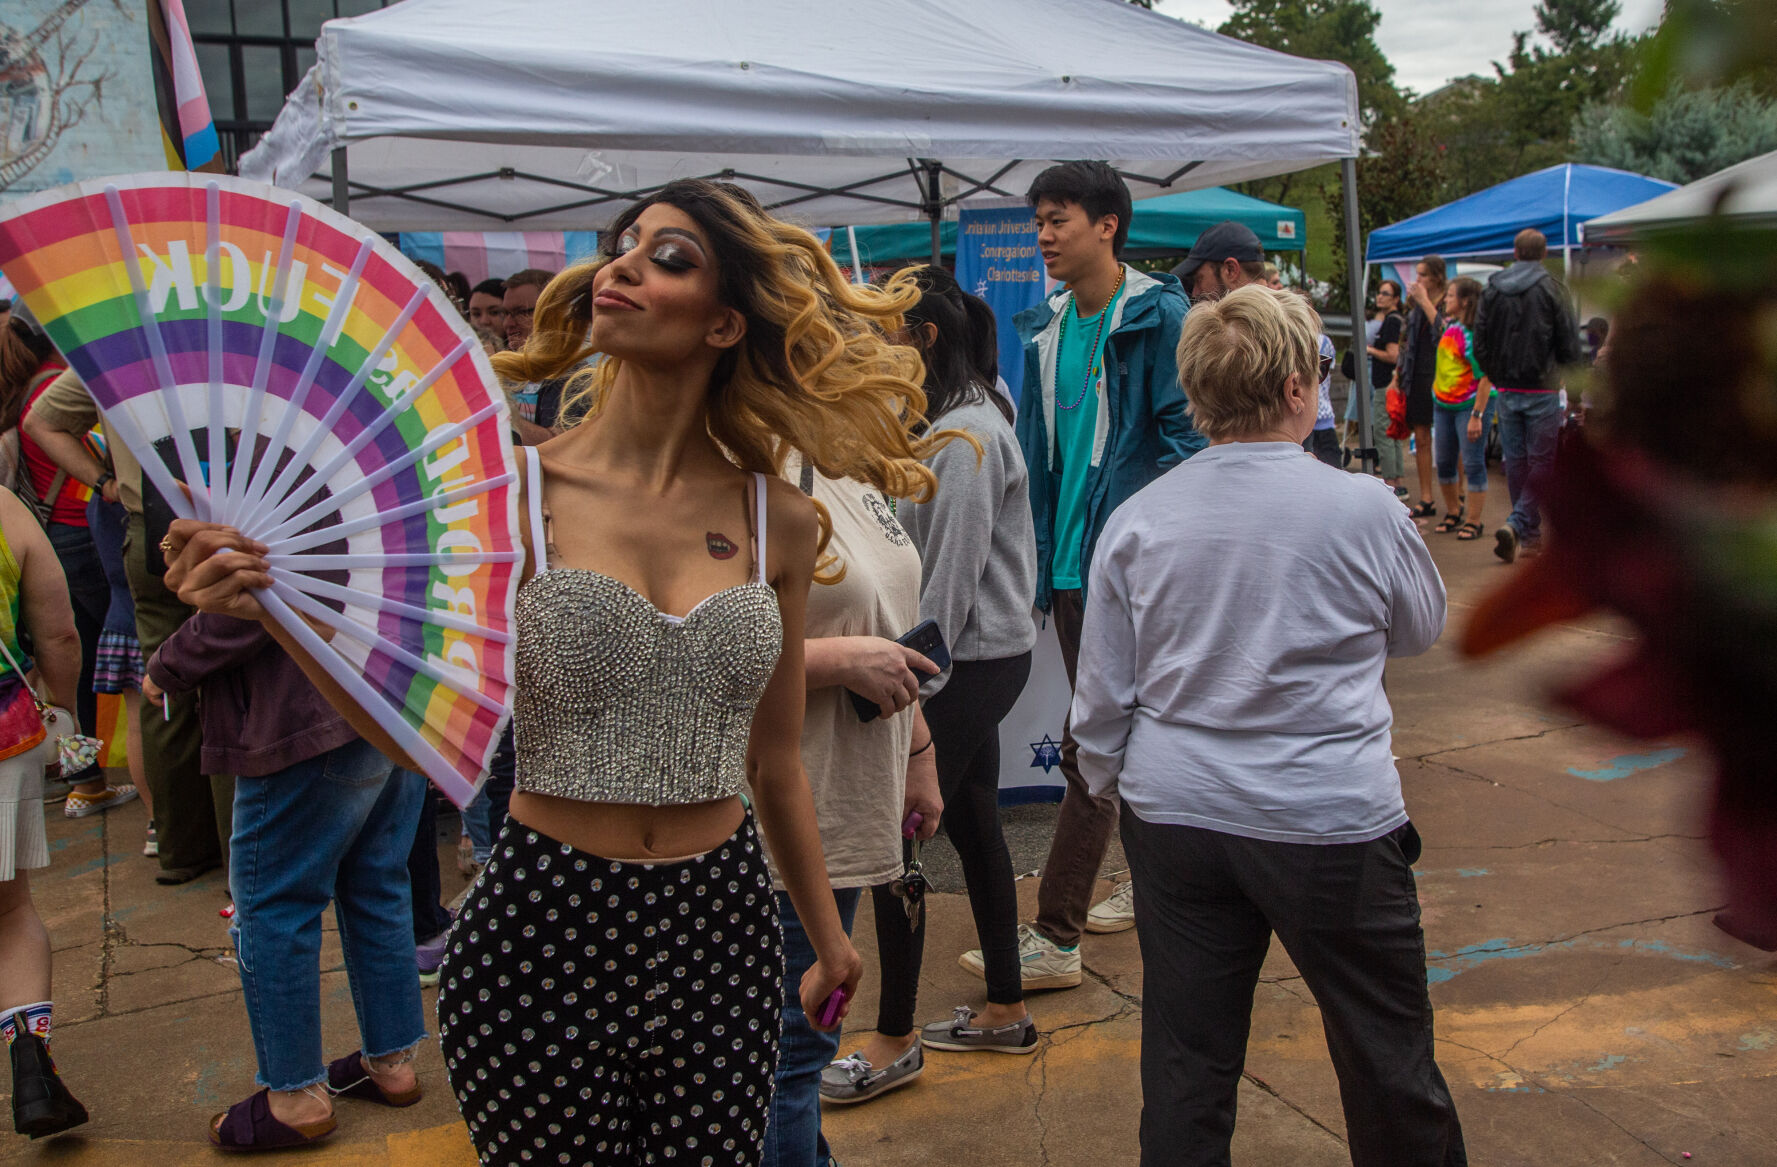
point(309, 386)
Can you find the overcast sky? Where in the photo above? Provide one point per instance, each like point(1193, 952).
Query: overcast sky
point(1432, 41)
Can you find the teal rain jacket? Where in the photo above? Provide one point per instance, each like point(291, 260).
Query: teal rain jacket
point(1142, 430)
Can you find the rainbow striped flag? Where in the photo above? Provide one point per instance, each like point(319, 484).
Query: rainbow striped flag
point(187, 131)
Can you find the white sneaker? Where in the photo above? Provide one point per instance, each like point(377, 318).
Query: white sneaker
point(1043, 964)
point(1114, 913)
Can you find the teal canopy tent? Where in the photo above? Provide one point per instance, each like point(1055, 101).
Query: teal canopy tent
point(1165, 225)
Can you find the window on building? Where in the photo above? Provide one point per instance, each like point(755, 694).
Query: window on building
point(254, 52)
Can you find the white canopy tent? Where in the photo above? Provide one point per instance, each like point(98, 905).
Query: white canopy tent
point(495, 114)
point(1745, 194)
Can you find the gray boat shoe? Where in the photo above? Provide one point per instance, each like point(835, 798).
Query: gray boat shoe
point(957, 1034)
point(854, 1079)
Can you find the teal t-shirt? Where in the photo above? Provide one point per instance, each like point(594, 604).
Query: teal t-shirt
point(1074, 431)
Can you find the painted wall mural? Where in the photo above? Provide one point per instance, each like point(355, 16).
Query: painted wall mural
point(76, 93)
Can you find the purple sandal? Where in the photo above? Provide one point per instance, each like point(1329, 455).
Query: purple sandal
point(347, 1077)
point(248, 1125)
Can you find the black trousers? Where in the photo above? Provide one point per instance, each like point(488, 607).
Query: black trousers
point(90, 595)
point(964, 719)
point(427, 884)
point(1206, 904)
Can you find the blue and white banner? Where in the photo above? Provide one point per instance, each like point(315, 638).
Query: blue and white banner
point(997, 259)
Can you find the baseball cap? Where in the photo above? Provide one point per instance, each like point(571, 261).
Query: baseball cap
point(1225, 240)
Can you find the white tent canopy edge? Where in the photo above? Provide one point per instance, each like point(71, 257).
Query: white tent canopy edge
point(1745, 193)
point(552, 114)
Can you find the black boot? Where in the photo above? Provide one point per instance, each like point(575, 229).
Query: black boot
point(41, 1104)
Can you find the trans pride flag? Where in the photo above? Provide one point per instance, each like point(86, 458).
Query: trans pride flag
point(187, 132)
point(481, 255)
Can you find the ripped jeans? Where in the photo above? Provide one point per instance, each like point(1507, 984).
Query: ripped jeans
point(333, 828)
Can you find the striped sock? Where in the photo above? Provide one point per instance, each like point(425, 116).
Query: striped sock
point(33, 1018)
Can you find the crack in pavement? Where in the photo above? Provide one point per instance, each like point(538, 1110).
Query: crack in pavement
point(102, 990)
point(1583, 998)
point(1567, 1094)
point(1470, 775)
point(1529, 944)
point(1274, 1092)
point(1553, 839)
point(1523, 737)
point(1037, 1075)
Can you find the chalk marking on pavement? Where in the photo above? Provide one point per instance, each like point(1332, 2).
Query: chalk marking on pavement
point(1623, 765)
point(1442, 967)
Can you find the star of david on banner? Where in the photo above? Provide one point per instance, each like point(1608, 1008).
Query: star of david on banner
point(1048, 753)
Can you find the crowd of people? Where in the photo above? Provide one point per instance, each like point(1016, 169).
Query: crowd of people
point(749, 485)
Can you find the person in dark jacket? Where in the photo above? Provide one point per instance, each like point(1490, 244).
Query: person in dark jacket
point(319, 815)
point(1524, 332)
point(1418, 365)
point(1101, 415)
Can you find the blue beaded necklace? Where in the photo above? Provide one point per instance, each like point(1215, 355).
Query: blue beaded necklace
point(1095, 362)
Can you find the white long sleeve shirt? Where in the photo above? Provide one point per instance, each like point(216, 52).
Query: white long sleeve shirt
point(1239, 614)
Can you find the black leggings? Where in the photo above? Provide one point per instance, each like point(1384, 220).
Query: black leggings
point(964, 719)
point(592, 1011)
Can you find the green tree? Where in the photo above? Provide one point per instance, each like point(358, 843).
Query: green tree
point(1686, 135)
point(1326, 30)
point(1539, 95)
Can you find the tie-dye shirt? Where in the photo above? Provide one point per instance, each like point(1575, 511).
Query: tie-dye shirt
point(1458, 373)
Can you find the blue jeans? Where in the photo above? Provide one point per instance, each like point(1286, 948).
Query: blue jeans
point(1529, 425)
point(793, 1137)
point(1449, 433)
point(486, 813)
point(335, 827)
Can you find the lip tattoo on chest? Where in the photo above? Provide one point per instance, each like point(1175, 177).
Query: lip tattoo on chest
point(720, 545)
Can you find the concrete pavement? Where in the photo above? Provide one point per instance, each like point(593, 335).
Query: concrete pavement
point(1587, 1011)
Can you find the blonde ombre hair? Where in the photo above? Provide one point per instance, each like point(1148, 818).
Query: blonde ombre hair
point(814, 373)
point(1236, 353)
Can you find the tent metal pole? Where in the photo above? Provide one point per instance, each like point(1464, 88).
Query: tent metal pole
point(1567, 226)
point(342, 195)
point(935, 208)
point(1360, 356)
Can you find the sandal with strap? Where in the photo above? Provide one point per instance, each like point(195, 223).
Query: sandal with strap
point(1469, 532)
point(1451, 522)
point(348, 1077)
point(248, 1125)
point(1425, 510)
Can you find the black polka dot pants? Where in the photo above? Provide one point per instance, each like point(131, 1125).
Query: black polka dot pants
point(595, 1012)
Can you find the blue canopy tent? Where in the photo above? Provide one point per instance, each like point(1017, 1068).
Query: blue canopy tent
point(1164, 225)
point(1555, 201)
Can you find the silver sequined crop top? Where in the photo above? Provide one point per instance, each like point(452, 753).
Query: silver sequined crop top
point(618, 702)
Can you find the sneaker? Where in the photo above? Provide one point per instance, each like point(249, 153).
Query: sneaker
point(1505, 542)
point(1043, 964)
point(80, 805)
point(430, 955)
point(1114, 913)
point(466, 857)
point(854, 1079)
point(151, 846)
point(958, 1035)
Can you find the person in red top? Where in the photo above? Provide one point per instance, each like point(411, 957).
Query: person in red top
point(28, 363)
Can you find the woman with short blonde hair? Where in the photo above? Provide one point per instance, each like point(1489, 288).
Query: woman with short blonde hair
point(1239, 614)
point(1236, 353)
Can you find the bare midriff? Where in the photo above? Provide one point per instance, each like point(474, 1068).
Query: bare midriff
point(629, 833)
